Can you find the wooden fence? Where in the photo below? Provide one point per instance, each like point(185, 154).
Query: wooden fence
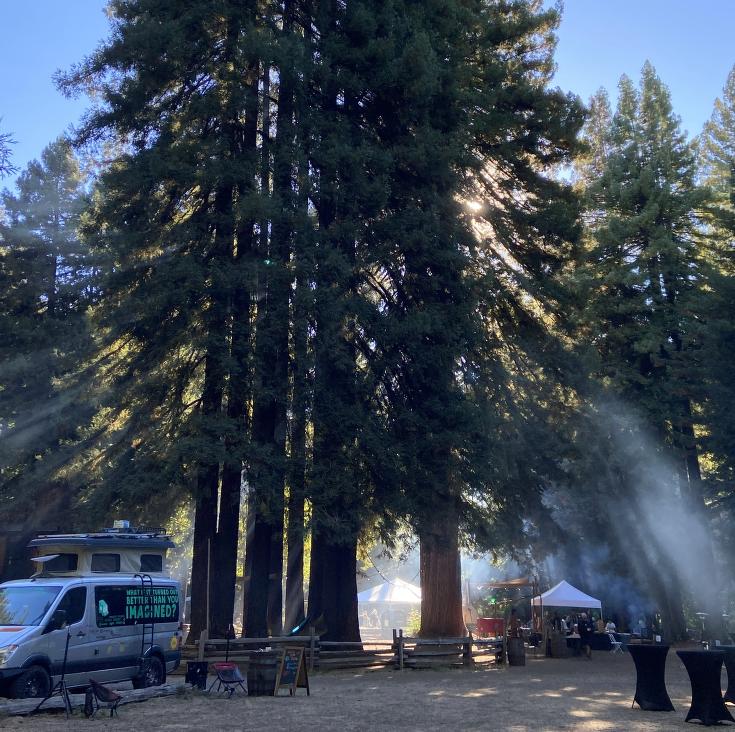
point(400, 653)
point(216, 649)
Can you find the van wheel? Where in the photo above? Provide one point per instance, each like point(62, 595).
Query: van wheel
point(152, 673)
point(34, 682)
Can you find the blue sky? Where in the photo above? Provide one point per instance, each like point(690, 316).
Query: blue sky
point(690, 44)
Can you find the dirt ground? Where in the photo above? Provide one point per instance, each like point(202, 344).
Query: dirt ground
point(546, 694)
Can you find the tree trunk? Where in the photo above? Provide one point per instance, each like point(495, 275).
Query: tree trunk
point(205, 515)
point(229, 252)
point(441, 576)
point(224, 561)
point(295, 608)
point(333, 588)
point(259, 553)
point(334, 485)
point(248, 560)
point(275, 579)
point(295, 560)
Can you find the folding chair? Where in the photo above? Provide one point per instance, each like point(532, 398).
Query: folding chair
point(616, 646)
point(228, 679)
point(98, 695)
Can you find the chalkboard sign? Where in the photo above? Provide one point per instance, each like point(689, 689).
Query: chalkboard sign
point(292, 672)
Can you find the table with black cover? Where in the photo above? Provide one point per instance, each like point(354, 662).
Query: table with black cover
point(650, 683)
point(704, 669)
point(730, 666)
point(600, 642)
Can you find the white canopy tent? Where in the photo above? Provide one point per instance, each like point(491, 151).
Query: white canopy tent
point(565, 595)
point(396, 591)
point(386, 606)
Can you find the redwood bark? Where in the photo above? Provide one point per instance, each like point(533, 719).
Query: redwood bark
point(205, 514)
point(441, 577)
point(333, 588)
point(275, 580)
point(248, 560)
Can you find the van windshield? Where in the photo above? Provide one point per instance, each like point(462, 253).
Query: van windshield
point(26, 605)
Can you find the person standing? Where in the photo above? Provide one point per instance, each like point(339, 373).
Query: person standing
point(586, 629)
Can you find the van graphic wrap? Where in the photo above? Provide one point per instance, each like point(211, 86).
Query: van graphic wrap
point(136, 605)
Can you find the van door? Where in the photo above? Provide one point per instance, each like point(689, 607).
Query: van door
point(78, 661)
point(117, 643)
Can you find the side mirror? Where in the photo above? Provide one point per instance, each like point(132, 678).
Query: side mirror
point(58, 621)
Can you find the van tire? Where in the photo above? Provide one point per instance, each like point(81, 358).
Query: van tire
point(153, 673)
point(34, 682)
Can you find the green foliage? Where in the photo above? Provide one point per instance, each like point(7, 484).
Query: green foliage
point(330, 256)
point(640, 277)
point(717, 166)
point(6, 166)
point(642, 294)
point(44, 276)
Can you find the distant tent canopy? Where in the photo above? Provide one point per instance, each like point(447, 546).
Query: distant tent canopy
point(565, 595)
point(396, 591)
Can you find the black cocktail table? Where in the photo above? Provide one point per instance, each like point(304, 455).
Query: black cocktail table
point(704, 669)
point(729, 695)
point(650, 683)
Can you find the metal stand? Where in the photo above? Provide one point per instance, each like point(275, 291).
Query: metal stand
point(704, 643)
point(61, 689)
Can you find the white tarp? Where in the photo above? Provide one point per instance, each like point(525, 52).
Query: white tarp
point(565, 595)
point(395, 591)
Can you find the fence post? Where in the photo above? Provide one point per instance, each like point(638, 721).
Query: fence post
point(400, 649)
point(203, 638)
point(312, 647)
point(467, 655)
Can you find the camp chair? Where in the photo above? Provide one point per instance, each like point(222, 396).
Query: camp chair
point(228, 679)
point(616, 646)
point(98, 695)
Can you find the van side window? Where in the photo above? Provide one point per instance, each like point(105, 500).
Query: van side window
point(62, 563)
point(74, 604)
point(151, 563)
point(105, 562)
point(110, 604)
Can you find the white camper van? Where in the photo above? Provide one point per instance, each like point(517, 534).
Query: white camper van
point(100, 607)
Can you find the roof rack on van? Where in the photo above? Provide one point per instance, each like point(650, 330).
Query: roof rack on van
point(120, 537)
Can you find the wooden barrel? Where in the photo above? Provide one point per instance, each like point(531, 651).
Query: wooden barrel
point(262, 673)
point(516, 652)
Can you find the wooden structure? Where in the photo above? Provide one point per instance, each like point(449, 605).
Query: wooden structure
point(401, 653)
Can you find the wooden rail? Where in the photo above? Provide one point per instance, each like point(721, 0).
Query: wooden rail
point(400, 653)
point(216, 649)
point(431, 652)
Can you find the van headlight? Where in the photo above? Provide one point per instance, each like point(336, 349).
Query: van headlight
point(6, 652)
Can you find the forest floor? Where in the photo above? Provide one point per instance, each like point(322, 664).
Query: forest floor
point(546, 694)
